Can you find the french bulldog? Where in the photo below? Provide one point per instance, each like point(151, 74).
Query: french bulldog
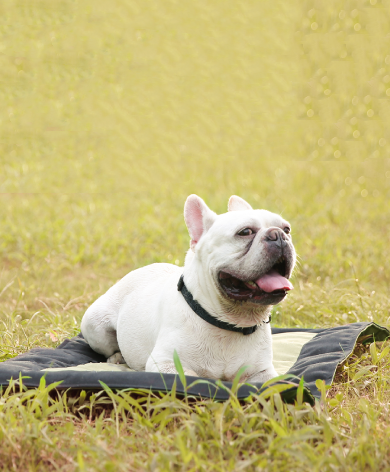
point(238, 266)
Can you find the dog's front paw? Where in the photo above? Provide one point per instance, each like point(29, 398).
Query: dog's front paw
point(116, 358)
point(167, 368)
point(263, 376)
point(190, 372)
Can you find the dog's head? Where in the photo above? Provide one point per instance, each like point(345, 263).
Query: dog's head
point(246, 254)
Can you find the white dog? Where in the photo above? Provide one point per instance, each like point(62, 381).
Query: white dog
point(214, 312)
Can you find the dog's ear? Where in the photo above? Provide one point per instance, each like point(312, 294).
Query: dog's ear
point(198, 218)
point(238, 204)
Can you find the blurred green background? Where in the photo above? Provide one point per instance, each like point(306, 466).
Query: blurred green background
point(113, 112)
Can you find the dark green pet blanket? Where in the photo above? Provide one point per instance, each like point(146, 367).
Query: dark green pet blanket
point(310, 354)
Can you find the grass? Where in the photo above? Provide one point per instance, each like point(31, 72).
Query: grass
point(144, 431)
point(113, 113)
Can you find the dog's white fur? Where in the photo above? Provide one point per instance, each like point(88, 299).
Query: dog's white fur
point(144, 318)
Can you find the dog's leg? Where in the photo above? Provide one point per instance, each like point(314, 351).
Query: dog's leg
point(98, 327)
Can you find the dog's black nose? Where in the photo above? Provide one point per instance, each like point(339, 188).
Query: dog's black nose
point(275, 236)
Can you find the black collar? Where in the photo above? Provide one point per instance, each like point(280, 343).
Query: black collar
point(200, 311)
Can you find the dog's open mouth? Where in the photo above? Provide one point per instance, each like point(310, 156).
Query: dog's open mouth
point(269, 289)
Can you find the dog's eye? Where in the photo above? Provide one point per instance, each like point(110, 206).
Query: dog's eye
point(245, 232)
point(287, 230)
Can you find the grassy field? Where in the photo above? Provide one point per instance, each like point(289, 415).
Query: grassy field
point(113, 112)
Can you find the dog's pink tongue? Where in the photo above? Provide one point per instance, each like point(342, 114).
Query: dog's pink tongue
point(273, 281)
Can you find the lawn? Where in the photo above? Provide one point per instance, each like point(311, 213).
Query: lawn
point(113, 112)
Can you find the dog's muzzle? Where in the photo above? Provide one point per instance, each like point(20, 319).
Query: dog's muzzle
point(271, 286)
